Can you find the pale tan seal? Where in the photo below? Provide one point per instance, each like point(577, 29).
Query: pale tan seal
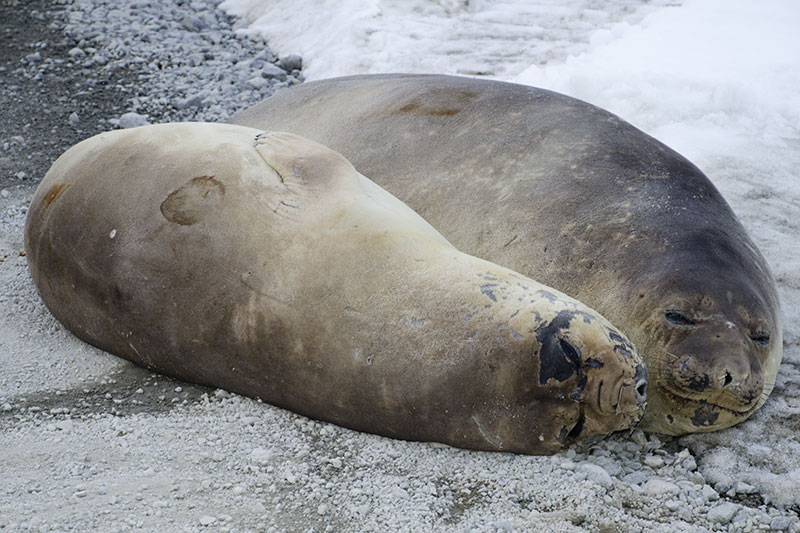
point(266, 265)
point(574, 197)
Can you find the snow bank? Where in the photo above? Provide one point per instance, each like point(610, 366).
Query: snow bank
point(479, 37)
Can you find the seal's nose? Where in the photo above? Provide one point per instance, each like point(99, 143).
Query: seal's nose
point(640, 380)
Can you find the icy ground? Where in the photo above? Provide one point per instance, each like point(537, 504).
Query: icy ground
point(89, 442)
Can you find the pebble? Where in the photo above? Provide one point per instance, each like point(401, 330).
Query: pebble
point(780, 523)
point(273, 71)
point(597, 474)
point(723, 513)
point(132, 120)
point(659, 486)
point(639, 437)
point(74, 119)
point(654, 461)
point(743, 488)
point(709, 494)
point(291, 62)
point(207, 520)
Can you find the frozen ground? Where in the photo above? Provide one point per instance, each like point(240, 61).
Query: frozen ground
point(90, 442)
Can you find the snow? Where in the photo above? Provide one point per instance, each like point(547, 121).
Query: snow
point(497, 38)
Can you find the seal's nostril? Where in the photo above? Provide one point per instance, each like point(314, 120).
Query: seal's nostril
point(641, 391)
point(728, 379)
point(640, 387)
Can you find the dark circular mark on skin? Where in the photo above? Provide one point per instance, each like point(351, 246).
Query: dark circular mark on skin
point(189, 204)
point(699, 383)
point(705, 415)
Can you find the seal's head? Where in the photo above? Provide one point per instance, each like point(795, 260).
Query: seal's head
point(591, 364)
point(713, 345)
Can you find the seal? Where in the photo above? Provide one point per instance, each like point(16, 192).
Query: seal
point(576, 198)
point(267, 266)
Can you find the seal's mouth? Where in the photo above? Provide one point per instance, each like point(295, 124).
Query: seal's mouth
point(691, 388)
point(700, 411)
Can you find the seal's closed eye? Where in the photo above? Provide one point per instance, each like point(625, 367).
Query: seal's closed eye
point(679, 319)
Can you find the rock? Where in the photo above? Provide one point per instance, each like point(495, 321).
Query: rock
point(291, 62)
point(780, 523)
point(709, 494)
point(639, 437)
point(660, 486)
point(190, 101)
point(635, 478)
point(743, 488)
point(193, 23)
point(132, 120)
point(261, 456)
point(273, 71)
point(207, 520)
point(76, 53)
point(723, 513)
point(74, 119)
point(596, 474)
point(257, 82)
point(654, 461)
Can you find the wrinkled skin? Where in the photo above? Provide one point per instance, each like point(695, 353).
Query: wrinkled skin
point(266, 265)
point(571, 195)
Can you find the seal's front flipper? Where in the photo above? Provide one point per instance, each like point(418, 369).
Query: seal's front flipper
point(304, 162)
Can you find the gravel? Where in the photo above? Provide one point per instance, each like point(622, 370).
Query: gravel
point(92, 443)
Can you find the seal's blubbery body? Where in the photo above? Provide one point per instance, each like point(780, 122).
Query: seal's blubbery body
point(576, 198)
point(266, 265)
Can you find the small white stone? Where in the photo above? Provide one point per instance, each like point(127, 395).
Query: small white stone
point(74, 119)
point(659, 486)
point(139, 391)
point(261, 456)
point(654, 461)
point(178, 389)
point(743, 488)
point(399, 493)
point(597, 474)
point(780, 523)
point(207, 520)
point(567, 465)
point(112, 234)
point(133, 120)
point(4, 193)
point(322, 509)
point(709, 494)
point(723, 513)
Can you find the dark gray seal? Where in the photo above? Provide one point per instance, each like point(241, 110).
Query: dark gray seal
point(576, 198)
point(266, 265)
